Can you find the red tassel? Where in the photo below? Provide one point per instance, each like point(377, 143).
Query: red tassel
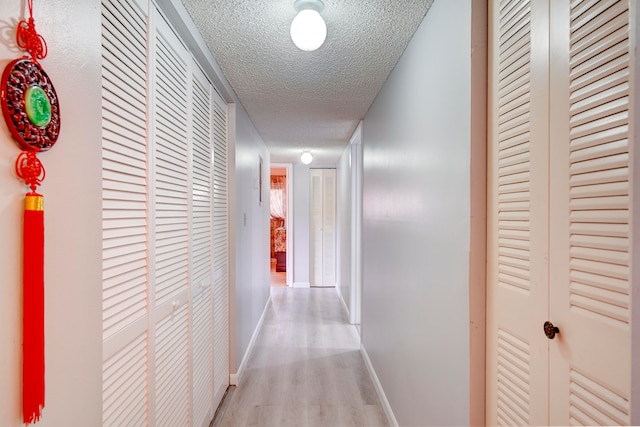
point(33, 310)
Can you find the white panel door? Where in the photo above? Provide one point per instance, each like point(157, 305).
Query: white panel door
point(323, 227)
point(576, 205)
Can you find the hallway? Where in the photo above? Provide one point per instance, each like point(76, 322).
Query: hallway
point(306, 368)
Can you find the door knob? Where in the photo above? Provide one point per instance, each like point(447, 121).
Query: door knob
point(550, 330)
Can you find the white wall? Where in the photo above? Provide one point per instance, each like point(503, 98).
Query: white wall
point(344, 226)
point(252, 285)
point(73, 249)
point(416, 223)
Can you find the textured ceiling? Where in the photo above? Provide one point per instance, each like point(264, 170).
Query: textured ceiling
point(306, 100)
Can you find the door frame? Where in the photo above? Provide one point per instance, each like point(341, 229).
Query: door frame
point(312, 271)
point(478, 282)
point(288, 224)
point(355, 314)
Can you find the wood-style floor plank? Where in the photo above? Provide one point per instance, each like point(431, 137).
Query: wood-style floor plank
point(306, 369)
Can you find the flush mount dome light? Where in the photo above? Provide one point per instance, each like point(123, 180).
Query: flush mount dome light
point(308, 29)
point(306, 158)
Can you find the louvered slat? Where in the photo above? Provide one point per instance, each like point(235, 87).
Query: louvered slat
point(594, 404)
point(124, 239)
point(125, 374)
point(124, 220)
point(599, 156)
point(514, 148)
point(202, 351)
point(171, 171)
point(220, 250)
point(171, 369)
point(513, 380)
point(201, 192)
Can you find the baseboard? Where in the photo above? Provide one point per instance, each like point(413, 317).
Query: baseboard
point(391, 418)
point(234, 379)
point(301, 285)
point(344, 304)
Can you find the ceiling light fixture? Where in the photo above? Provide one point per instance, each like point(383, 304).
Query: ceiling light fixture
point(308, 29)
point(306, 158)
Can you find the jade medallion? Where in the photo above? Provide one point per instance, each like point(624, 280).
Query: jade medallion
point(37, 106)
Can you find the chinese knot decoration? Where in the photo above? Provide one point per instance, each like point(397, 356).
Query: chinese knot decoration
point(31, 110)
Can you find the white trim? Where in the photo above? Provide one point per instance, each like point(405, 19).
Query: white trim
point(177, 15)
point(355, 300)
point(289, 220)
point(344, 304)
point(234, 378)
point(391, 418)
point(301, 285)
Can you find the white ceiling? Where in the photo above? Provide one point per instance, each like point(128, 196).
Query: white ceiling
point(306, 100)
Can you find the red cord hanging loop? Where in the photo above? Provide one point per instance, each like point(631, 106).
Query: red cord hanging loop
point(30, 170)
point(28, 38)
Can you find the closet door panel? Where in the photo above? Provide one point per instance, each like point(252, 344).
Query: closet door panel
point(316, 257)
point(329, 227)
point(517, 291)
point(171, 160)
point(220, 248)
point(171, 228)
point(171, 388)
point(590, 278)
point(124, 220)
point(322, 236)
point(201, 250)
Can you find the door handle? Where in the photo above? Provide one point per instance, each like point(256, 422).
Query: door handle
point(550, 330)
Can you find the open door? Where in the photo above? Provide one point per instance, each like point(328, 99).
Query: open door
point(280, 225)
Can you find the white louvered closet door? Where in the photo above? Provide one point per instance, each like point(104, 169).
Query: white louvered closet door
point(171, 228)
point(560, 246)
point(220, 248)
point(591, 207)
point(323, 227)
point(165, 226)
point(517, 292)
point(315, 225)
point(201, 250)
point(329, 227)
point(125, 220)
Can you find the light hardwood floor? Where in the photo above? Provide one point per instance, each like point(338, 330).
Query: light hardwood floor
point(277, 278)
point(306, 368)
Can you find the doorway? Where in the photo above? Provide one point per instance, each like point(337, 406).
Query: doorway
point(322, 227)
point(355, 315)
point(281, 231)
